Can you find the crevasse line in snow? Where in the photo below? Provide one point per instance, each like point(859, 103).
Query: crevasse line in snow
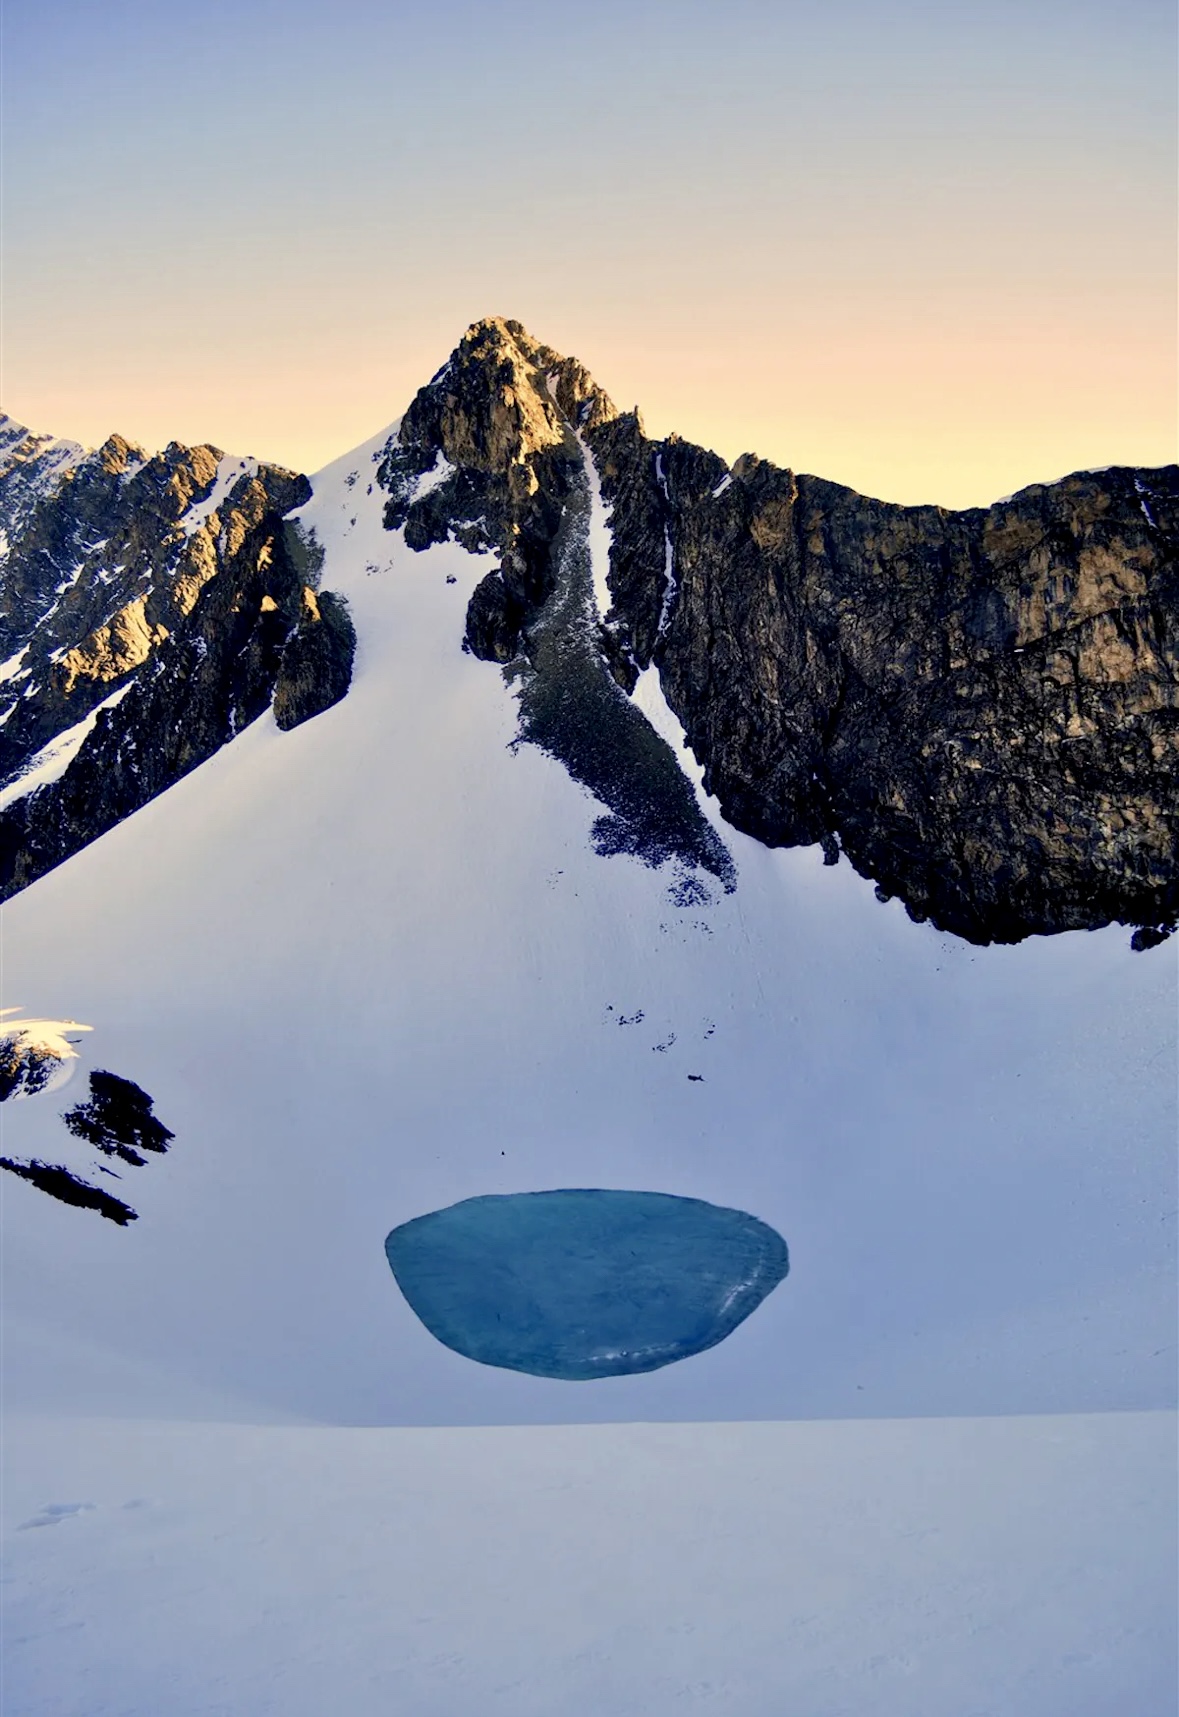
point(599, 519)
point(649, 696)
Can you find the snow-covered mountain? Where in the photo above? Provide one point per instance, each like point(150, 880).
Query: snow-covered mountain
point(149, 609)
point(978, 709)
point(477, 929)
point(30, 468)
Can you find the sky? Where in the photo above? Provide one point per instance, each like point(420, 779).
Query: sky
point(928, 251)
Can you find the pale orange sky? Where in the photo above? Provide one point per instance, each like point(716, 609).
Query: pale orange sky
point(931, 255)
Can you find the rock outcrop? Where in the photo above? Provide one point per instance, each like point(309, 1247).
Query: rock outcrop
point(61, 1183)
point(494, 435)
point(980, 709)
point(316, 666)
point(492, 453)
point(118, 1121)
point(36, 1055)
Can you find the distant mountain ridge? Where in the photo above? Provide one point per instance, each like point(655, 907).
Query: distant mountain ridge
point(980, 708)
point(29, 468)
point(150, 608)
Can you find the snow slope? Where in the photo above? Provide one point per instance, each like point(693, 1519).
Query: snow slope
point(367, 967)
point(935, 1568)
point(370, 967)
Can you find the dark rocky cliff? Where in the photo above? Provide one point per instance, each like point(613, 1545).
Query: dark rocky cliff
point(149, 608)
point(980, 708)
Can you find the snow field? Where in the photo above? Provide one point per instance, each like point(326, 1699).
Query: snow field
point(973, 1567)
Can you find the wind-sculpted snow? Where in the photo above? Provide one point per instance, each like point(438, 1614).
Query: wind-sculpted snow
point(584, 1283)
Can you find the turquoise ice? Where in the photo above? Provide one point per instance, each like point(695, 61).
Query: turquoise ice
point(584, 1283)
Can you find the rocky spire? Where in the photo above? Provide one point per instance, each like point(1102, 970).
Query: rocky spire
point(497, 429)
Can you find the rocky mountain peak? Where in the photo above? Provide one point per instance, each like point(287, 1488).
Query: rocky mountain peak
point(502, 398)
point(150, 607)
point(977, 708)
point(30, 465)
point(489, 454)
point(117, 455)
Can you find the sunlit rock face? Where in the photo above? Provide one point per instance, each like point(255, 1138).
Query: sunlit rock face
point(495, 435)
point(151, 607)
point(979, 709)
point(584, 1283)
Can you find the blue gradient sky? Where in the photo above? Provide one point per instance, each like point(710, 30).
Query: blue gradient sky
point(926, 250)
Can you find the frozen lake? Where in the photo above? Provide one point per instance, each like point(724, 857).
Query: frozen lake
point(584, 1283)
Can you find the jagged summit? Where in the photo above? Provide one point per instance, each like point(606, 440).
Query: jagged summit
point(30, 465)
point(499, 434)
point(502, 397)
point(980, 709)
point(150, 607)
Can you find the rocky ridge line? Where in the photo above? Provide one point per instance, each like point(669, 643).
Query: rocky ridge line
point(151, 608)
point(980, 709)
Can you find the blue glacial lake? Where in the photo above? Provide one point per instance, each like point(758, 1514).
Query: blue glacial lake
point(584, 1283)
